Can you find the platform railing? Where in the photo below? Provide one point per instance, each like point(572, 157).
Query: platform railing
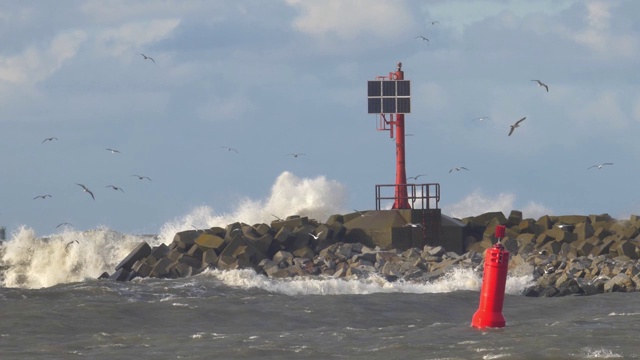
point(421, 196)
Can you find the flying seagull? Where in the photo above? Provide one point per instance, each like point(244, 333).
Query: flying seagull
point(599, 166)
point(423, 38)
point(84, 188)
point(71, 242)
point(435, 22)
point(115, 187)
point(50, 139)
point(42, 196)
point(413, 225)
point(148, 58)
point(458, 169)
point(315, 236)
point(113, 151)
point(64, 224)
point(279, 219)
point(229, 148)
point(540, 83)
point(296, 154)
point(415, 177)
point(517, 124)
point(482, 118)
point(140, 177)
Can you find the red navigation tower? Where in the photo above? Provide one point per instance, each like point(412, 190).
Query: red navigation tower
point(392, 95)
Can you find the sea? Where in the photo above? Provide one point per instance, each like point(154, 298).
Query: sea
point(53, 306)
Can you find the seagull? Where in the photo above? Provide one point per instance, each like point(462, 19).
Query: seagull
point(115, 187)
point(413, 225)
point(540, 83)
point(482, 118)
point(416, 177)
point(458, 169)
point(423, 38)
point(229, 148)
point(599, 166)
point(71, 242)
point(113, 151)
point(279, 219)
point(42, 196)
point(64, 224)
point(50, 139)
point(84, 188)
point(360, 212)
point(148, 58)
point(315, 236)
point(517, 124)
point(435, 22)
point(296, 154)
point(140, 177)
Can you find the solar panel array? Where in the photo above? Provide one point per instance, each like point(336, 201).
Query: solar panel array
point(389, 96)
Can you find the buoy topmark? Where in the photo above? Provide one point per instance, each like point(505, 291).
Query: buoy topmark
point(496, 264)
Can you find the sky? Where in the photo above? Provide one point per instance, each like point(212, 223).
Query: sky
point(273, 78)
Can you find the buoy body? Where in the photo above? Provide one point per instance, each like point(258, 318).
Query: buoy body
point(496, 263)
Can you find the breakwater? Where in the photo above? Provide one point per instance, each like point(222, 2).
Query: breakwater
point(569, 254)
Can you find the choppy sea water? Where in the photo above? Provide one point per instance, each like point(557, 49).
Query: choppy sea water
point(239, 314)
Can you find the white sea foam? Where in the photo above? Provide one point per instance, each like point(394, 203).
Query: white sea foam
point(478, 203)
point(456, 280)
point(316, 198)
point(69, 256)
point(601, 353)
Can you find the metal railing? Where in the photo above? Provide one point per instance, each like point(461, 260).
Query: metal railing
point(421, 196)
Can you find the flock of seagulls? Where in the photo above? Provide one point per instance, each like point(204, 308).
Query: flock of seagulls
point(83, 187)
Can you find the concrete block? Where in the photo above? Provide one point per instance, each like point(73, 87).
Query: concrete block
point(139, 252)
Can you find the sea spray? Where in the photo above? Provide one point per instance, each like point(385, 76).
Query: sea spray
point(316, 198)
point(70, 256)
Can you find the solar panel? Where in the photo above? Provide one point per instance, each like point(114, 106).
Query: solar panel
point(389, 96)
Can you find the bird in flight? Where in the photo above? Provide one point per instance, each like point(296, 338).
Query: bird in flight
point(482, 118)
point(517, 124)
point(50, 139)
point(423, 38)
point(296, 154)
point(113, 151)
point(84, 188)
point(413, 225)
point(278, 218)
point(435, 22)
point(416, 177)
point(315, 236)
point(361, 213)
point(540, 83)
point(229, 148)
point(140, 177)
point(42, 196)
point(148, 58)
point(458, 169)
point(115, 187)
point(599, 166)
point(64, 224)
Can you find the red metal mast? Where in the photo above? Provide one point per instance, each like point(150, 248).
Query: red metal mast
point(401, 198)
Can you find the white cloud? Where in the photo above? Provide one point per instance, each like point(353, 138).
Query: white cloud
point(35, 63)
point(598, 36)
point(133, 36)
point(350, 19)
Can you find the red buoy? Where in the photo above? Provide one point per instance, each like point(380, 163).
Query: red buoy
point(496, 263)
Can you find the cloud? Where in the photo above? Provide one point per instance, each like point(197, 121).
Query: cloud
point(133, 36)
point(35, 63)
point(350, 19)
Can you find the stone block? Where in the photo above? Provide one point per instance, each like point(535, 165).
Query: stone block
point(335, 219)
point(209, 257)
point(209, 241)
point(544, 223)
point(262, 243)
point(291, 223)
point(515, 217)
point(184, 239)
point(572, 219)
point(142, 268)
point(262, 230)
point(161, 268)
point(304, 252)
point(139, 252)
point(627, 248)
point(160, 251)
point(528, 226)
